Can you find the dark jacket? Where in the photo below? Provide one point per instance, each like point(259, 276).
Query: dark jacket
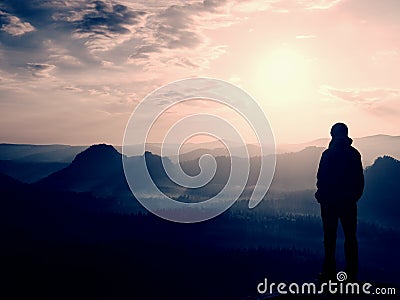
point(340, 176)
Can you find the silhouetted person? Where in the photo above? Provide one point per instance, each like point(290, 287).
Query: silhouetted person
point(340, 183)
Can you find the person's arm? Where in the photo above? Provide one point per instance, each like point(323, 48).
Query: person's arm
point(321, 177)
point(359, 177)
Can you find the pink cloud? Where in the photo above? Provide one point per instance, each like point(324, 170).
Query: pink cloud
point(361, 96)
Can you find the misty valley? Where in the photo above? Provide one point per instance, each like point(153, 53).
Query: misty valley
point(71, 227)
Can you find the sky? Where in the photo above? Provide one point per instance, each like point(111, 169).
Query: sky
point(72, 71)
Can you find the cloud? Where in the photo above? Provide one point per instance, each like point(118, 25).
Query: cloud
point(5, 79)
point(365, 97)
point(72, 89)
point(14, 25)
point(282, 6)
point(308, 36)
point(144, 51)
point(251, 6)
point(173, 36)
point(102, 24)
point(156, 34)
point(321, 4)
point(385, 56)
point(378, 102)
point(40, 70)
point(91, 32)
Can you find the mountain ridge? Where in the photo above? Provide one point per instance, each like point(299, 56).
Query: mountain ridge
point(370, 147)
point(90, 170)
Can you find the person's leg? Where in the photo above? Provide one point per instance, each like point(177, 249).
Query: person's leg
point(348, 220)
point(330, 222)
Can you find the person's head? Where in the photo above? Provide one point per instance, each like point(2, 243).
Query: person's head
point(339, 130)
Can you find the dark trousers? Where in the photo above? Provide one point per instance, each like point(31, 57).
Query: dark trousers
point(331, 213)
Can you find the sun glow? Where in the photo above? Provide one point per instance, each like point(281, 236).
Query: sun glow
point(283, 75)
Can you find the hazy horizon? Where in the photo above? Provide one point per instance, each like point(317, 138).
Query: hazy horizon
point(198, 142)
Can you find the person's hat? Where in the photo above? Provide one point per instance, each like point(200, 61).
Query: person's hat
point(339, 130)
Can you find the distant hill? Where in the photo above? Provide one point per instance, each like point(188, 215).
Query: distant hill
point(27, 171)
point(293, 172)
point(370, 147)
point(9, 183)
point(195, 153)
point(26, 206)
point(381, 201)
point(39, 153)
point(98, 169)
point(297, 171)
